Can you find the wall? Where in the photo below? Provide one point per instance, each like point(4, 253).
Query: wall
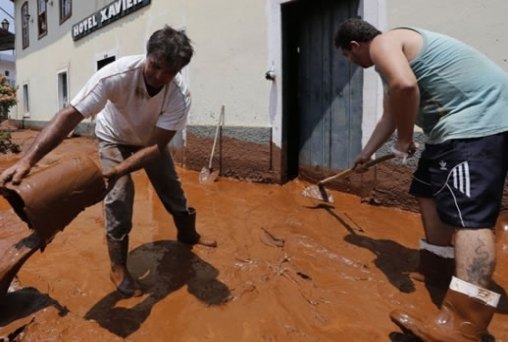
point(481, 24)
point(228, 67)
point(236, 43)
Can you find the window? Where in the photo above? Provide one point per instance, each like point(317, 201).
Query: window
point(26, 102)
point(65, 10)
point(10, 81)
point(103, 62)
point(42, 18)
point(25, 17)
point(63, 90)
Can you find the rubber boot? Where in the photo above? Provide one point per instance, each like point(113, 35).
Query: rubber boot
point(186, 230)
point(465, 315)
point(502, 229)
point(502, 233)
point(119, 275)
point(436, 266)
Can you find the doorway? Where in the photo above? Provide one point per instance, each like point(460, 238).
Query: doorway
point(321, 91)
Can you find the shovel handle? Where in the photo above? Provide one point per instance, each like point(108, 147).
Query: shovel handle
point(347, 172)
point(219, 123)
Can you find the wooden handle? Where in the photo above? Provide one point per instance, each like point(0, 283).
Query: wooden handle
point(219, 123)
point(367, 165)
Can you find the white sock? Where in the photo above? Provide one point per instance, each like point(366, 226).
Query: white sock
point(443, 251)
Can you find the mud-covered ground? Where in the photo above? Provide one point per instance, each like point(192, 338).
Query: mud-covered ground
point(287, 268)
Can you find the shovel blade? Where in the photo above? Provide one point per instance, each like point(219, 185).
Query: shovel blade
point(208, 176)
point(318, 192)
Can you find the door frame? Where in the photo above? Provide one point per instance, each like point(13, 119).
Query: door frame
point(374, 11)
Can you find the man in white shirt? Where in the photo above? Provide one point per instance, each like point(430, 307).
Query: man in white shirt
point(140, 102)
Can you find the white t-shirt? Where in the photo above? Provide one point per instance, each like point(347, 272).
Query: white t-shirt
point(126, 114)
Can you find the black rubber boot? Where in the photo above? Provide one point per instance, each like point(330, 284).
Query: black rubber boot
point(186, 230)
point(119, 275)
point(434, 269)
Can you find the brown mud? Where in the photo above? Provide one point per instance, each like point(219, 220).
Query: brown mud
point(287, 268)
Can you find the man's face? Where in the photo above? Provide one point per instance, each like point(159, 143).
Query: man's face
point(357, 54)
point(156, 74)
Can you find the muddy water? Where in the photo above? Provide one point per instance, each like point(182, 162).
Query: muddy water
point(286, 269)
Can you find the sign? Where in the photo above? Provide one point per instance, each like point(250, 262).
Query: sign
point(110, 13)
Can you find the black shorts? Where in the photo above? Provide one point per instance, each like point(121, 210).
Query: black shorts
point(466, 178)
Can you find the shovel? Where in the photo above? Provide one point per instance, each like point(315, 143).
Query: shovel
point(319, 192)
point(208, 175)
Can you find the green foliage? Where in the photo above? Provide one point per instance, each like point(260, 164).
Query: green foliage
point(7, 98)
point(6, 145)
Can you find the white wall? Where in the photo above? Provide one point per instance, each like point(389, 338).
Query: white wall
point(374, 11)
point(231, 59)
point(228, 68)
point(482, 24)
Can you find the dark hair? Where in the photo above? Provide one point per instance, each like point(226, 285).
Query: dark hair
point(354, 29)
point(171, 47)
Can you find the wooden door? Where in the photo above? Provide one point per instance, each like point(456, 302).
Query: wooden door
point(322, 92)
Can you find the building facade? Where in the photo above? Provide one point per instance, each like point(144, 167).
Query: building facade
point(293, 105)
point(250, 58)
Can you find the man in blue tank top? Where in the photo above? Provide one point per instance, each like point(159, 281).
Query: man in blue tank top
point(460, 99)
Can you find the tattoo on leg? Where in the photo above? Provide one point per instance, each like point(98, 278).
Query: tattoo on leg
point(482, 265)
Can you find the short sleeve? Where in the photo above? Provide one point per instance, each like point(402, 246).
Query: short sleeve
point(91, 99)
point(176, 109)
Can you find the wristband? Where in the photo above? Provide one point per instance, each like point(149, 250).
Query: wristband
point(399, 154)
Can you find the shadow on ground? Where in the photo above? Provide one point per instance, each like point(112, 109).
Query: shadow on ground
point(22, 304)
point(162, 267)
point(393, 259)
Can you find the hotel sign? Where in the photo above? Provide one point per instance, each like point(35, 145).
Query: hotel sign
point(115, 10)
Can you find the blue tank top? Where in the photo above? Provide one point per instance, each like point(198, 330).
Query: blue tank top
point(463, 94)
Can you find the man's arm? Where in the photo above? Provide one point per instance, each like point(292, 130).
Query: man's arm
point(138, 160)
point(403, 92)
point(51, 136)
point(383, 130)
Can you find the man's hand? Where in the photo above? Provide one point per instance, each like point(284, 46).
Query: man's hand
point(51, 135)
point(111, 175)
point(359, 163)
point(404, 150)
point(15, 173)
